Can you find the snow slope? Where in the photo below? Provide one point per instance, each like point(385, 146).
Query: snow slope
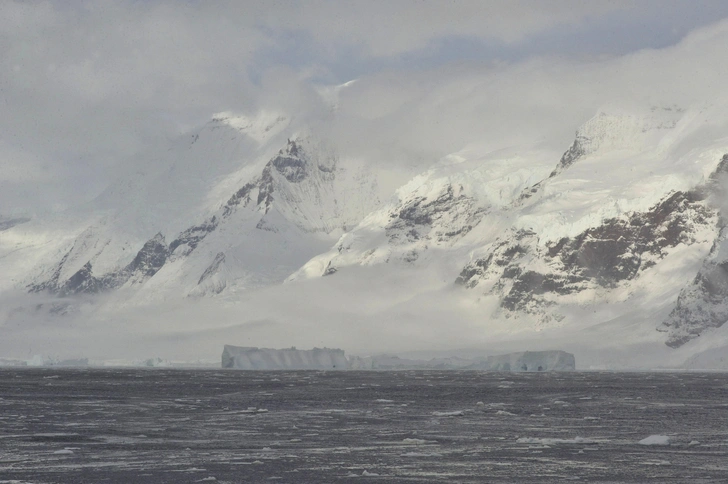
point(624, 219)
point(615, 246)
point(239, 203)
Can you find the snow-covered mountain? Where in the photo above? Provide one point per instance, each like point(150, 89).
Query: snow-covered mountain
point(623, 229)
point(239, 203)
point(626, 215)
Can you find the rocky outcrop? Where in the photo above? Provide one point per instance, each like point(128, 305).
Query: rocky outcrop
point(152, 256)
point(292, 166)
point(290, 163)
point(610, 130)
point(445, 218)
point(147, 262)
point(82, 281)
point(188, 240)
point(213, 268)
point(530, 276)
point(703, 304)
point(575, 151)
point(251, 358)
point(242, 196)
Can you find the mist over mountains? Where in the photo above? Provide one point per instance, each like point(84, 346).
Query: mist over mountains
point(537, 205)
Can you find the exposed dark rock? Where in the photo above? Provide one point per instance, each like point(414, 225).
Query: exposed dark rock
point(51, 285)
point(241, 196)
point(329, 270)
point(150, 258)
point(213, 268)
point(82, 281)
point(602, 256)
point(326, 168)
point(290, 163)
point(471, 273)
point(420, 219)
point(721, 170)
point(263, 224)
point(612, 252)
point(194, 235)
point(265, 192)
point(572, 155)
point(702, 304)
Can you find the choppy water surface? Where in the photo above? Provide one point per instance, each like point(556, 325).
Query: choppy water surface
point(177, 426)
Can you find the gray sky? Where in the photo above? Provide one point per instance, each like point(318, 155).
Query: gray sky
point(85, 85)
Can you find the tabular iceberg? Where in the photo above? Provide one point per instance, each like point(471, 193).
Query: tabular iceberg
point(530, 361)
point(252, 358)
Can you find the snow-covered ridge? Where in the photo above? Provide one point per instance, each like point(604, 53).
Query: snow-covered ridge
point(618, 208)
point(299, 196)
point(524, 238)
point(530, 277)
point(260, 127)
point(614, 129)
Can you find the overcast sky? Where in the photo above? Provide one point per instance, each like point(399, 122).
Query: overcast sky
point(85, 85)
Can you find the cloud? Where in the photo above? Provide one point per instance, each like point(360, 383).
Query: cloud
point(86, 85)
point(385, 28)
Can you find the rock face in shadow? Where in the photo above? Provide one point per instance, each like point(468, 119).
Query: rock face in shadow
point(188, 240)
point(251, 358)
point(150, 258)
point(290, 163)
point(702, 304)
point(147, 262)
point(530, 361)
point(293, 167)
point(529, 276)
point(444, 219)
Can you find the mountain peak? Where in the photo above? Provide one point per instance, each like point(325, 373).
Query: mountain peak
point(260, 126)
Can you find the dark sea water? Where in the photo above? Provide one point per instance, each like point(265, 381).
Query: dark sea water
point(179, 426)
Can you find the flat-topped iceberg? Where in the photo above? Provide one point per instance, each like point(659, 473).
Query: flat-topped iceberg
point(530, 361)
point(42, 360)
point(251, 358)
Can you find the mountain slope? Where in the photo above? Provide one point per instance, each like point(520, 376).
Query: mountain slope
point(616, 244)
point(220, 201)
point(629, 205)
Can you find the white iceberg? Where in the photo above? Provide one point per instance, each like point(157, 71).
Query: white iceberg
point(529, 361)
point(251, 358)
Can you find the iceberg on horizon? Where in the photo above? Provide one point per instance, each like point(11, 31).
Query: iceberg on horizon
point(252, 358)
point(529, 361)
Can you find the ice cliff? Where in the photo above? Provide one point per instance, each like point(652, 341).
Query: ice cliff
point(251, 358)
point(530, 361)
